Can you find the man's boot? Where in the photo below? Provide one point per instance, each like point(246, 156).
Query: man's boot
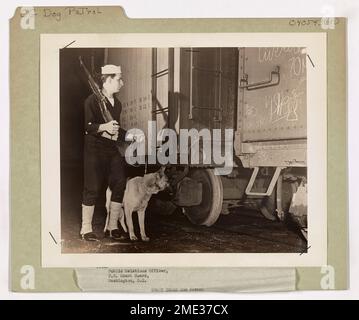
point(86, 228)
point(116, 213)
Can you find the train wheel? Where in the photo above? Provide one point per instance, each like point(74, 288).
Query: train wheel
point(208, 211)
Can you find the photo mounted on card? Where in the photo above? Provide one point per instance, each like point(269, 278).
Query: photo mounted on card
point(149, 155)
point(183, 149)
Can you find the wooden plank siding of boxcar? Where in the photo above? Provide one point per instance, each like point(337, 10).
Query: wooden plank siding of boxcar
point(161, 94)
point(140, 96)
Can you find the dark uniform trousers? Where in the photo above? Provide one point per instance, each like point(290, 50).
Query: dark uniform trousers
point(103, 166)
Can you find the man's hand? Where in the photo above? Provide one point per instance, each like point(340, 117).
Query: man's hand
point(139, 137)
point(110, 127)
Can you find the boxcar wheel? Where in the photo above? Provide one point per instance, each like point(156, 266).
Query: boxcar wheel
point(208, 211)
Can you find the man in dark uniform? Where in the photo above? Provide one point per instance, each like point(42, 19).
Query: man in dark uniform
point(103, 164)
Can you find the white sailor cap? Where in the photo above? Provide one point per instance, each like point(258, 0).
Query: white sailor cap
point(110, 69)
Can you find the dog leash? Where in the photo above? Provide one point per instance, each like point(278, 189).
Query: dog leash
point(146, 164)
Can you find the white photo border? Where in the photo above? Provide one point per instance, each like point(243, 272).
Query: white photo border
point(50, 45)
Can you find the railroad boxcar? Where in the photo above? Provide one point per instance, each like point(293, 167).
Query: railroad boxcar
point(258, 92)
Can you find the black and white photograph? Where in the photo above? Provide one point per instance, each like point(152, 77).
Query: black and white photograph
point(183, 150)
